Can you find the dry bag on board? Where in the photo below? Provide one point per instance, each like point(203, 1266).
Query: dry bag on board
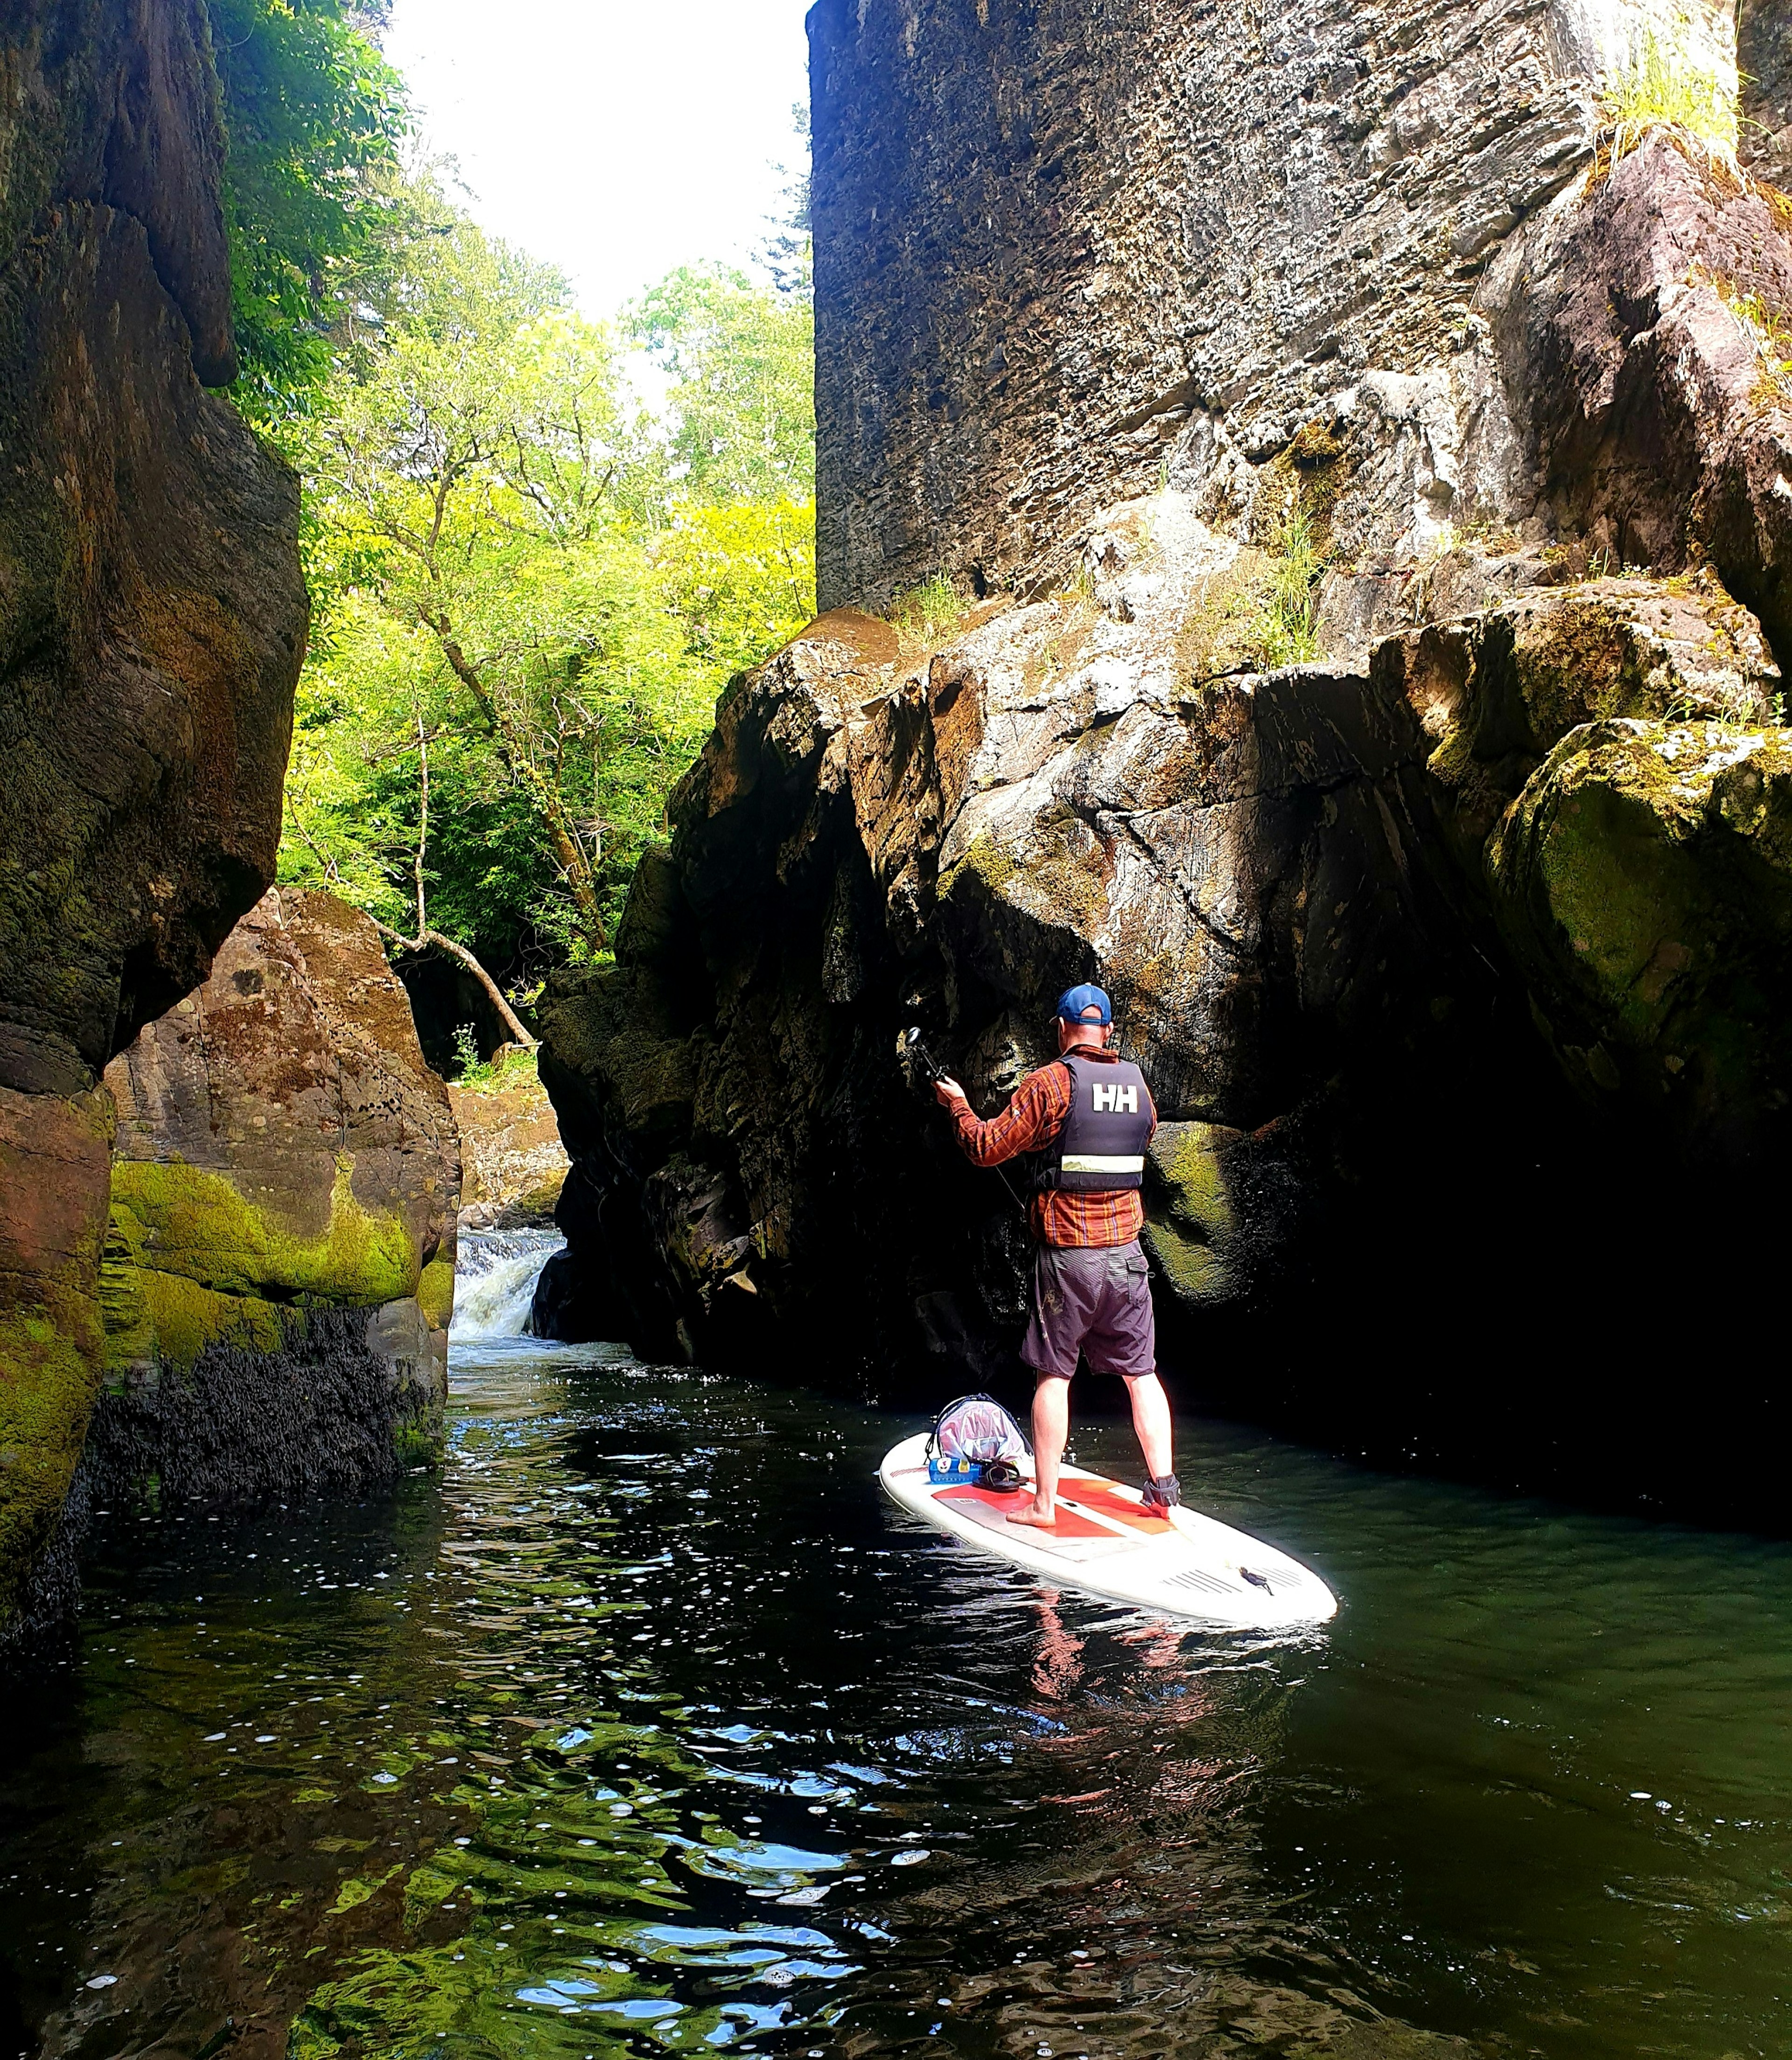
point(975, 1440)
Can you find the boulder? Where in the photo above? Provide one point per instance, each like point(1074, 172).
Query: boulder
point(1634, 325)
point(278, 1275)
point(152, 623)
point(512, 1163)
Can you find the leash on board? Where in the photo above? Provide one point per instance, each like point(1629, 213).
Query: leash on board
point(930, 1066)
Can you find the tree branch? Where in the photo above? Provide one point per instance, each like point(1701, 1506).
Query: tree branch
point(426, 938)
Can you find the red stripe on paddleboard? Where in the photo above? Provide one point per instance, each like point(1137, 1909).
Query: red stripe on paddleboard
point(1069, 1523)
point(1111, 1503)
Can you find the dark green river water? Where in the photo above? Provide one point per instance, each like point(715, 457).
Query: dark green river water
point(648, 1727)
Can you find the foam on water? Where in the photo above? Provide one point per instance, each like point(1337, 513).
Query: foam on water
point(495, 1276)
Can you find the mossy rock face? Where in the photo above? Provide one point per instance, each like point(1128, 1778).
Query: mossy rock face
point(282, 1222)
point(1644, 880)
point(199, 1226)
point(435, 1293)
point(1496, 695)
point(52, 1160)
point(1191, 1223)
point(190, 1262)
point(281, 1146)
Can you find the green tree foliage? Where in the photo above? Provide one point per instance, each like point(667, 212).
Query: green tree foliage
point(532, 593)
point(313, 116)
point(740, 361)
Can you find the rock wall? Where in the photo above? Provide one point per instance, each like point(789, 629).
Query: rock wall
point(513, 1164)
point(278, 1275)
point(1061, 250)
point(1468, 965)
point(152, 624)
point(1764, 57)
point(1376, 466)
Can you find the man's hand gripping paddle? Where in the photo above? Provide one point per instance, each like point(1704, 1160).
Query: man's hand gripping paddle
point(916, 1051)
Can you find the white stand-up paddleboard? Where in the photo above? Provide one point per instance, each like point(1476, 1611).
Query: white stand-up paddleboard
point(1107, 1541)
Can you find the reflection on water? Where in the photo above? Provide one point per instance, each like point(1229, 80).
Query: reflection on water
point(649, 1729)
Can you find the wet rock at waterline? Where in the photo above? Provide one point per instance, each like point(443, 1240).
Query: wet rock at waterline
point(279, 1271)
point(151, 628)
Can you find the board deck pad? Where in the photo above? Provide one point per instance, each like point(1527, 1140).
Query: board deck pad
point(1087, 1491)
point(1072, 1537)
point(1108, 1541)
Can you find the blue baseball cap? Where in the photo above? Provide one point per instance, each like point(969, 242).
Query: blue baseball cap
point(1074, 1003)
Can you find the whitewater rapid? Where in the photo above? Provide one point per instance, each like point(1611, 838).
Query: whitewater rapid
point(495, 1276)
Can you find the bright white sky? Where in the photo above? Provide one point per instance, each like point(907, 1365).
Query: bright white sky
point(615, 138)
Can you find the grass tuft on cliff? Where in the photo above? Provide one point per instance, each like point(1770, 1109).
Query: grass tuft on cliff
point(1287, 629)
point(1666, 84)
point(927, 617)
point(510, 1066)
point(1770, 330)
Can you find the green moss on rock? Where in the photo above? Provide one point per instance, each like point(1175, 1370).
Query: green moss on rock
point(1190, 1221)
point(198, 1225)
point(416, 1445)
point(435, 1293)
point(986, 859)
point(1644, 878)
point(191, 1263)
point(53, 1155)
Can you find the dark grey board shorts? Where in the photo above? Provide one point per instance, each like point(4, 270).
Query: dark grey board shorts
point(1095, 1300)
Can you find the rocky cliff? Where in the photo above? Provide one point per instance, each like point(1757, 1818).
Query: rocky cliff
point(1376, 460)
point(152, 622)
point(1063, 249)
point(279, 1268)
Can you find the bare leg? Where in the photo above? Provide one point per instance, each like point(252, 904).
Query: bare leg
point(1150, 1419)
point(1051, 1432)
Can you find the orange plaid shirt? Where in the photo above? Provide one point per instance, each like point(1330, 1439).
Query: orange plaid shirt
point(1033, 1117)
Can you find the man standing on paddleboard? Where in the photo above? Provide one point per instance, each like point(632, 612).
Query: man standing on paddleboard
point(1091, 1114)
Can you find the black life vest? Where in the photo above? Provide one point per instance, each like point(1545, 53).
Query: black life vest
point(1101, 1142)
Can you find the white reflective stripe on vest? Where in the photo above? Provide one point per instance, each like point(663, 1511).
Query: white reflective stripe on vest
point(1087, 1162)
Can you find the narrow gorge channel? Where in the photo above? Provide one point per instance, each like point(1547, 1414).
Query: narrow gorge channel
point(646, 1728)
point(559, 801)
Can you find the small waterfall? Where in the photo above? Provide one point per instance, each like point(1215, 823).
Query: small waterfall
point(494, 1281)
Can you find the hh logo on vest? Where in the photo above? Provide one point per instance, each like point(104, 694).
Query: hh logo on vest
point(1101, 1143)
point(1122, 1101)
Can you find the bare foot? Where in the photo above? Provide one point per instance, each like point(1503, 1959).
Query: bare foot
point(1041, 1519)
